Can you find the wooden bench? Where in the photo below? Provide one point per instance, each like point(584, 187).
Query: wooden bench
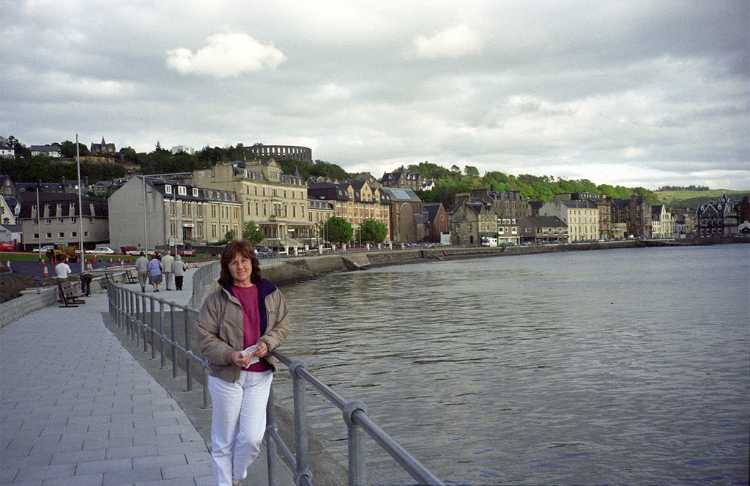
point(69, 296)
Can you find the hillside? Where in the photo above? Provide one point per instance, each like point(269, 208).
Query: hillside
point(693, 199)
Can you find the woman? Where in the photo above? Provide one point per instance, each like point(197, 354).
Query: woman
point(154, 271)
point(247, 310)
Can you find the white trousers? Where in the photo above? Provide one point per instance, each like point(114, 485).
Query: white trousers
point(238, 423)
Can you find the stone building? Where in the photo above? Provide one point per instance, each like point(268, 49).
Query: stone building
point(636, 213)
point(717, 218)
point(470, 220)
point(406, 215)
point(52, 150)
point(58, 221)
point(508, 231)
point(662, 224)
point(543, 229)
point(684, 222)
point(274, 201)
point(402, 178)
point(319, 212)
point(7, 151)
point(506, 204)
point(167, 213)
point(604, 207)
point(354, 201)
point(435, 221)
point(580, 216)
point(103, 148)
point(261, 151)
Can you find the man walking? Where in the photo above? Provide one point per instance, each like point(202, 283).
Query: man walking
point(62, 269)
point(167, 266)
point(141, 266)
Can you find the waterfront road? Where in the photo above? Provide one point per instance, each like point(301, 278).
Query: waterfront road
point(77, 409)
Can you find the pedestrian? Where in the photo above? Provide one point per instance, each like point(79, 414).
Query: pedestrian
point(141, 267)
point(168, 268)
point(154, 271)
point(239, 325)
point(62, 269)
point(179, 271)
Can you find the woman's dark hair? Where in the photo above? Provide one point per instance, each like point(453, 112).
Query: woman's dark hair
point(234, 248)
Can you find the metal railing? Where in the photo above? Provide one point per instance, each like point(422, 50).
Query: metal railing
point(128, 309)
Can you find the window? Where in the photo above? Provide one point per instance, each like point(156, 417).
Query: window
point(182, 190)
point(36, 236)
point(195, 192)
point(167, 189)
point(49, 235)
point(61, 234)
point(47, 221)
point(74, 234)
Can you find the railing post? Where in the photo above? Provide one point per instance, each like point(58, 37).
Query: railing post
point(150, 325)
point(302, 475)
point(143, 333)
point(270, 444)
point(161, 332)
point(186, 320)
point(161, 340)
point(357, 464)
point(171, 336)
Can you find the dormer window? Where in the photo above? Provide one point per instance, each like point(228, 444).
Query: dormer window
point(167, 189)
point(182, 190)
point(195, 192)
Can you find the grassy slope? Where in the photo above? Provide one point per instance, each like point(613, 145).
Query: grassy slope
point(695, 198)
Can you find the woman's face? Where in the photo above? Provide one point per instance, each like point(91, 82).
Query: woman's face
point(240, 268)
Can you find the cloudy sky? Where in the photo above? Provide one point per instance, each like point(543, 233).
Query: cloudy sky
point(636, 92)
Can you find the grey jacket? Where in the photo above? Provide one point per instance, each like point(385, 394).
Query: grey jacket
point(220, 327)
point(141, 264)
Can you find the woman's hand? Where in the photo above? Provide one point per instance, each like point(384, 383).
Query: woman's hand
point(262, 350)
point(239, 360)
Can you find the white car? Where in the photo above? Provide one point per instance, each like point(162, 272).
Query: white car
point(44, 248)
point(101, 250)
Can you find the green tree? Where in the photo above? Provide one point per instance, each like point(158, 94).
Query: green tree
point(229, 236)
point(338, 230)
point(252, 233)
point(68, 149)
point(373, 231)
point(471, 171)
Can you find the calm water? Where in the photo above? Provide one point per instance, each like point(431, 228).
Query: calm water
point(617, 366)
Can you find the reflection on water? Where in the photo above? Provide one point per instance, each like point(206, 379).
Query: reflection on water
point(609, 366)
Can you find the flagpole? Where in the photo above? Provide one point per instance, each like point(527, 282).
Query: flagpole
point(80, 208)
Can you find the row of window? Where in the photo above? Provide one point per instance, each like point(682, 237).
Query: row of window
point(61, 234)
point(275, 192)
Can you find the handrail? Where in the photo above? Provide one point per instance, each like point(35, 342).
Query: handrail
point(128, 309)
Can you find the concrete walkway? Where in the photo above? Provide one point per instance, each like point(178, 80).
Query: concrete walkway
point(77, 409)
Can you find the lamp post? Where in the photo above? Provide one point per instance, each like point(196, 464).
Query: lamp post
point(80, 208)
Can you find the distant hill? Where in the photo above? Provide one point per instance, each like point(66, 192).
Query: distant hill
point(693, 199)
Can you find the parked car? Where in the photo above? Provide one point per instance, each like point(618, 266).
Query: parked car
point(187, 251)
point(44, 248)
point(101, 250)
point(263, 251)
point(7, 246)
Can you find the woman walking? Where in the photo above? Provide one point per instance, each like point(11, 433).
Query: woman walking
point(154, 271)
point(239, 325)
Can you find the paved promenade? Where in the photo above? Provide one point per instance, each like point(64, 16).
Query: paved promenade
point(77, 409)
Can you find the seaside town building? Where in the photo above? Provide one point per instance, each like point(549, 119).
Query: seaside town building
point(470, 220)
point(58, 222)
point(508, 231)
point(354, 201)
point(717, 218)
point(580, 216)
point(435, 222)
point(10, 210)
point(684, 222)
point(662, 224)
point(276, 202)
point(168, 213)
point(7, 151)
point(402, 178)
point(506, 204)
point(318, 213)
point(635, 213)
point(406, 219)
point(543, 229)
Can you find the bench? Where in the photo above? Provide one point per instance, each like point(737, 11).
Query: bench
point(69, 295)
